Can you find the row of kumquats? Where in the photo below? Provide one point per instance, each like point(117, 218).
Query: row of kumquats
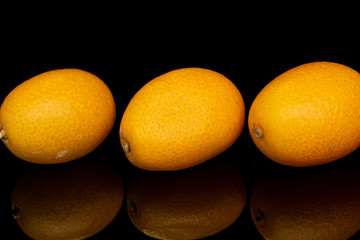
point(307, 116)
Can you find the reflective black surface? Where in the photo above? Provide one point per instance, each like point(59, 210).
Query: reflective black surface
point(125, 63)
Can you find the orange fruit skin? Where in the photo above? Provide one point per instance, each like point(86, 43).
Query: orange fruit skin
point(189, 204)
point(180, 119)
point(308, 115)
point(313, 205)
point(57, 116)
point(69, 201)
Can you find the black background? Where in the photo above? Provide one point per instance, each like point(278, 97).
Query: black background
point(127, 46)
